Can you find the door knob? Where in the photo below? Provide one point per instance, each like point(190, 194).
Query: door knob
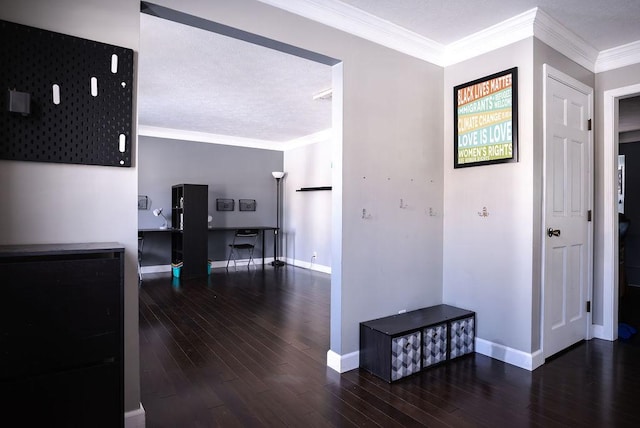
point(553, 232)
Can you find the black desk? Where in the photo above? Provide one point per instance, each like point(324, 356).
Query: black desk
point(262, 230)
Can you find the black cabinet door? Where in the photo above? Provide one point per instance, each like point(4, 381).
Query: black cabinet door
point(61, 336)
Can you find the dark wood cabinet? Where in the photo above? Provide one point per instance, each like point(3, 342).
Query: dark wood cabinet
point(400, 345)
point(61, 334)
point(189, 243)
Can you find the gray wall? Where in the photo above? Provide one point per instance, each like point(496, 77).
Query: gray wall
point(230, 172)
point(488, 260)
point(507, 274)
point(57, 203)
point(307, 217)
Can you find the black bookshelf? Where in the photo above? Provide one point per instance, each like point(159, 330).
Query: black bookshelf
point(189, 228)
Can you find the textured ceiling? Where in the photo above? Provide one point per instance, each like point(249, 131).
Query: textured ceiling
point(195, 80)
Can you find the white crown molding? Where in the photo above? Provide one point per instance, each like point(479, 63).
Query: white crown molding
point(308, 139)
point(617, 57)
point(502, 34)
point(534, 22)
point(362, 24)
point(204, 137)
point(564, 41)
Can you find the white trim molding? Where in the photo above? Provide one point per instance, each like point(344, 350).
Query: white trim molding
point(318, 137)
point(227, 140)
point(609, 328)
point(155, 269)
point(618, 57)
point(564, 41)
point(135, 418)
point(502, 34)
point(343, 363)
point(243, 263)
point(215, 265)
point(355, 21)
point(515, 357)
point(532, 23)
point(205, 137)
point(309, 265)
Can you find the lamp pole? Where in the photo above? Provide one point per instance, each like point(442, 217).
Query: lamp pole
point(276, 239)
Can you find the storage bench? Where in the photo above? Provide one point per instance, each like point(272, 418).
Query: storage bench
point(400, 345)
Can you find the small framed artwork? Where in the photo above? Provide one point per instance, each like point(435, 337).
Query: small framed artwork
point(485, 118)
point(143, 202)
point(225, 204)
point(247, 204)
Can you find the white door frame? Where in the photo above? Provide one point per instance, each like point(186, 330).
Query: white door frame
point(609, 329)
point(552, 73)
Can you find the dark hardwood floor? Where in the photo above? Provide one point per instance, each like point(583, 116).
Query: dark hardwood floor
point(248, 349)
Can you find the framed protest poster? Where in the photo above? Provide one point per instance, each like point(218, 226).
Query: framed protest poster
point(485, 117)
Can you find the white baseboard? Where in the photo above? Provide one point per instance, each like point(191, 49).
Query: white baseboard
point(239, 263)
point(135, 418)
point(343, 363)
point(243, 263)
point(215, 264)
point(155, 269)
point(311, 266)
point(599, 332)
point(508, 355)
point(515, 357)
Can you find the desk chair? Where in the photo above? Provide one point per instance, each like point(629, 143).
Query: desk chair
point(243, 240)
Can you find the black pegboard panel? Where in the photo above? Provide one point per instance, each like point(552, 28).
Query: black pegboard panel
point(82, 128)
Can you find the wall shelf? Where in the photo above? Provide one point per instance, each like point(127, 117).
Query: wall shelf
point(313, 189)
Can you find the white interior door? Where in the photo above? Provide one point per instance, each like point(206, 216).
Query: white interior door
point(568, 191)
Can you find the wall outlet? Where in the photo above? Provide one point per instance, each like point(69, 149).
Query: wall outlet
point(314, 255)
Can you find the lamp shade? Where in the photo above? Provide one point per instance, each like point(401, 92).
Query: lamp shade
point(277, 174)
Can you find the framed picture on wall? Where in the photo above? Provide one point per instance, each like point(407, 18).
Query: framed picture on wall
point(247, 204)
point(143, 202)
point(225, 204)
point(485, 118)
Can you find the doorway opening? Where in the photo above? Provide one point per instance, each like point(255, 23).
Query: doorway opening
point(334, 138)
point(629, 215)
point(608, 298)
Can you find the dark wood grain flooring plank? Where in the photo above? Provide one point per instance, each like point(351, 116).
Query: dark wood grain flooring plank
point(248, 348)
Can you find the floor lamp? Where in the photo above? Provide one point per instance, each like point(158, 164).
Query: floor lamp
point(276, 239)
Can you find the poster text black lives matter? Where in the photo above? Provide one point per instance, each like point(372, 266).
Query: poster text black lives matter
point(486, 120)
